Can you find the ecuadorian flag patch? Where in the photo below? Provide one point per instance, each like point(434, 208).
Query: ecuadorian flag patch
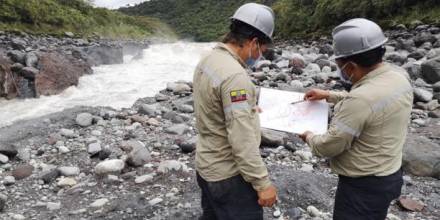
point(238, 95)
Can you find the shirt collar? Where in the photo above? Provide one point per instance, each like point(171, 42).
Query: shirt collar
point(378, 71)
point(224, 47)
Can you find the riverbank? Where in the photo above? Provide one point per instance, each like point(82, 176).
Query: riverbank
point(137, 162)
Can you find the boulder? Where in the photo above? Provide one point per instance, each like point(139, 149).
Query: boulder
point(109, 166)
point(178, 129)
point(421, 157)
point(22, 171)
point(84, 119)
point(8, 150)
point(422, 95)
point(271, 138)
point(58, 72)
point(431, 70)
point(31, 59)
point(139, 154)
point(29, 72)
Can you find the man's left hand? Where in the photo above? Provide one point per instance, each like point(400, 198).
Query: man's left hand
point(305, 135)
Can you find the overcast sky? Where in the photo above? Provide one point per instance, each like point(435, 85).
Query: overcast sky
point(113, 4)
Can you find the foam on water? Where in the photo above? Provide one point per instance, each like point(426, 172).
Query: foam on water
point(117, 86)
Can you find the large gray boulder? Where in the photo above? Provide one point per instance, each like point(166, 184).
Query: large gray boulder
point(431, 70)
point(272, 138)
point(421, 157)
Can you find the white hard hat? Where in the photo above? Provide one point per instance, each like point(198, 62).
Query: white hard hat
point(258, 16)
point(356, 36)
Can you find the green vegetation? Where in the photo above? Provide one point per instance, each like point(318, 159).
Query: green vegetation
point(305, 17)
point(59, 16)
point(208, 19)
point(201, 20)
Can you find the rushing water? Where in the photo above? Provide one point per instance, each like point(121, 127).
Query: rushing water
point(116, 86)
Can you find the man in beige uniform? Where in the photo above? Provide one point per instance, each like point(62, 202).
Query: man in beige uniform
point(369, 127)
point(230, 171)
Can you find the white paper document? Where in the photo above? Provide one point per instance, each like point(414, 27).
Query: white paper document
point(279, 114)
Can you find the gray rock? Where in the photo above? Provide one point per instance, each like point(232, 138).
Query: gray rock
point(421, 157)
point(149, 110)
point(271, 138)
point(139, 154)
point(68, 133)
point(283, 64)
point(9, 180)
point(17, 67)
point(144, 178)
point(3, 159)
point(94, 148)
point(284, 77)
point(396, 57)
point(31, 59)
point(171, 165)
point(414, 70)
point(84, 119)
point(3, 201)
point(312, 68)
point(49, 176)
point(69, 34)
point(422, 95)
point(431, 70)
point(161, 97)
point(52, 206)
point(436, 87)
point(109, 166)
point(69, 171)
point(178, 88)
point(18, 44)
point(29, 72)
point(17, 56)
point(99, 203)
point(187, 146)
point(424, 37)
point(185, 108)
point(178, 129)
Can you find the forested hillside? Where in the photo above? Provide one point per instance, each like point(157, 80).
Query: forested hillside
point(208, 19)
point(77, 16)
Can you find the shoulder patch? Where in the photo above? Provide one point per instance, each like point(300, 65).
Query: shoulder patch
point(238, 95)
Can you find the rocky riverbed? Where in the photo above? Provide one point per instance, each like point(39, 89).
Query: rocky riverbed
point(32, 66)
point(137, 163)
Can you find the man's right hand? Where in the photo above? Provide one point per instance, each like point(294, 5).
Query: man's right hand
point(267, 197)
point(316, 94)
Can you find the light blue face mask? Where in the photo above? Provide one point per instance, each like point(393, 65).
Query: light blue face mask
point(251, 62)
point(344, 76)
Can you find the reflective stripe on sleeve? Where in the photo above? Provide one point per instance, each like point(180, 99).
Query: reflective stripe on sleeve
point(237, 106)
point(347, 129)
point(383, 103)
point(216, 80)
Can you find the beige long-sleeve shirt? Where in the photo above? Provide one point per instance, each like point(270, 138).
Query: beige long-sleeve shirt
point(369, 127)
point(227, 120)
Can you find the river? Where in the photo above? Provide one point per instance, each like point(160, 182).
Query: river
point(117, 86)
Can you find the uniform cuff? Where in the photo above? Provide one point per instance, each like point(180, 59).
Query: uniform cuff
point(334, 96)
point(261, 184)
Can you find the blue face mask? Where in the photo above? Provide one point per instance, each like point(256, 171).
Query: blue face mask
point(250, 62)
point(344, 76)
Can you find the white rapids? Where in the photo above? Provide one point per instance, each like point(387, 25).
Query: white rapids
point(116, 86)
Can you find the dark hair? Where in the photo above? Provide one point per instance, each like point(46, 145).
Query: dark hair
point(240, 32)
point(367, 59)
